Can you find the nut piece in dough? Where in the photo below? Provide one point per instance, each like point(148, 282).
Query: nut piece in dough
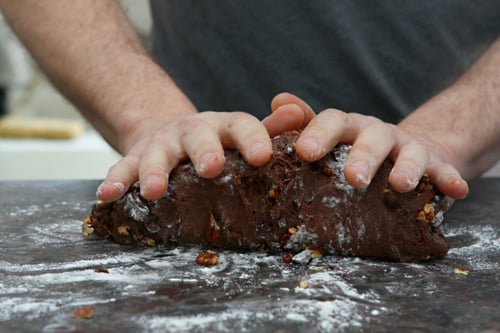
point(207, 258)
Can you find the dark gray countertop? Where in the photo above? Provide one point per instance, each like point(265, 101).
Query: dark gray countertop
point(47, 271)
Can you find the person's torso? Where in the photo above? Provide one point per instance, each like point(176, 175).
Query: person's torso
point(383, 58)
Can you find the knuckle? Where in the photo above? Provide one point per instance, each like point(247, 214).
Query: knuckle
point(336, 114)
point(157, 136)
point(375, 120)
point(382, 129)
point(365, 149)
point(238, 118)
point(192, 126)
point(345, 119)
point(157, 170)
point(126, 163)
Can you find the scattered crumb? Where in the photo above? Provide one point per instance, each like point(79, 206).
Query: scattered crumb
point(148, 241)
point(303, 284)
point(461, 271)
point(316, 252)
point(318, 267)
point(87, 228)
point(287, 257)
point(101, 269)
point(207, 258)
point(85, 312)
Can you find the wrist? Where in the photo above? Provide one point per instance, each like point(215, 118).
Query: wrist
point(453, 126)
point(142, 115)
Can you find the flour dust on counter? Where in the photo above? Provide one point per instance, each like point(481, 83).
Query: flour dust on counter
point(48, 272)
point(476, 245)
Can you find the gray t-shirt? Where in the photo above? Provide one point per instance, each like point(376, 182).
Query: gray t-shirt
point(383, 58)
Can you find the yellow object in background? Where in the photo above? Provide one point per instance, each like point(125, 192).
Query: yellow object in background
point(51, 128)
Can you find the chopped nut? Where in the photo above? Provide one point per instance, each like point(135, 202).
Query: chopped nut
point(316, 252)
point(318, 267)
point(303, 284)
point(326, 170)
point(87, 228)
point(421, 216)
point(287, 257)
point(148, 241)
point(387, 190)
point(213, 229)
point(123, 230)
point(461, 271)
point(83, 312)
point(100, 269)
point(426, 214)
point(422, 184)
point(285, 237)
point(207, 258)
point(274, 192)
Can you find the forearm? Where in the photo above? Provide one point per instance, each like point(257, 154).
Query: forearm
point(463, 121)
point(92, 54)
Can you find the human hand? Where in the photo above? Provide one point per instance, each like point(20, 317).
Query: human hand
point(372, 141)
point(160, 144)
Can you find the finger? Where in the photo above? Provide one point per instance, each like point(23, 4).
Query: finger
point(156, 163)
point(201, 142)
point(285, 118)
point(324, 132)
point(411, 161)
point(119, 178)
point(447, 179)
point(286, 99)
point(371, 147)
point(246, 133)
point(153, 174)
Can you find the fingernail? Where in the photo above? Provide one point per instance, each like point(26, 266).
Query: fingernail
point(99, 190)
point(310, 143)
point(407, 174)
point(458, 182)
point(204, 161)
point(281, 107)
point(362, 170)
point(256, 148)
point(410, 181)
point(117, 185)
point(150, 180)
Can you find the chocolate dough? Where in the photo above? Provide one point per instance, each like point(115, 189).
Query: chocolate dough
point(286, 205)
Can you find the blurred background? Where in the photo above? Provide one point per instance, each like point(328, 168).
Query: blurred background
point(41, 135)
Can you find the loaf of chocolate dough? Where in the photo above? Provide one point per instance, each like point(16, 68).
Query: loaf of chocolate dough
point(286, 205)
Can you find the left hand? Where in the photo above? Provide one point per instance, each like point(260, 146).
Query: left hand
point(372, 140)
